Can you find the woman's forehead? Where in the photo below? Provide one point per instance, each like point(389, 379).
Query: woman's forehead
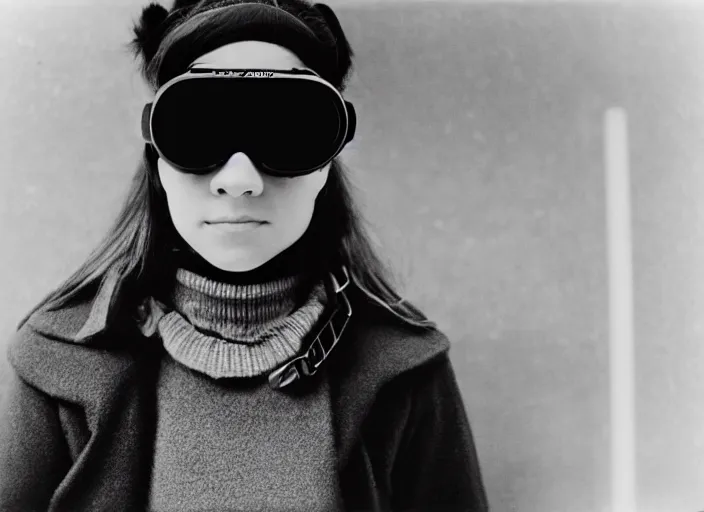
point(250, 54)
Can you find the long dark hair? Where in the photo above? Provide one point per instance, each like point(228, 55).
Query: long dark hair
point(135, 248)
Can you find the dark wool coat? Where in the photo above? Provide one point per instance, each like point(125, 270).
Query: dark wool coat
point(77, 425)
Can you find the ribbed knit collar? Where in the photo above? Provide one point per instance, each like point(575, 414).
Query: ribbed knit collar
point(237, 330)
point(237, 313)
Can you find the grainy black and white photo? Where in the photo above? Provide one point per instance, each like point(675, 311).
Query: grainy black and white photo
point(352, 255)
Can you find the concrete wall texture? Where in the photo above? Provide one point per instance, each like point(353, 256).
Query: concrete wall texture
point(479, 161)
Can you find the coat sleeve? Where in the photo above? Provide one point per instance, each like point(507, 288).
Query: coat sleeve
point(437, 466)
point(34, 456)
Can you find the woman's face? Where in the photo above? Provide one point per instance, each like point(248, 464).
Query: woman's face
point(198, 203)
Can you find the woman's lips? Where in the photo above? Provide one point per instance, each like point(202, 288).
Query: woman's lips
point(235, 227)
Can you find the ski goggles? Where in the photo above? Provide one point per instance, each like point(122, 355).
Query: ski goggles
point(288, 122)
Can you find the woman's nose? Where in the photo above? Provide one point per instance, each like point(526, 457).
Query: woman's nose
point(237, 177)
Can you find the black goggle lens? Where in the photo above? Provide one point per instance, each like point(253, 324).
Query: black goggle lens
point(285, 126)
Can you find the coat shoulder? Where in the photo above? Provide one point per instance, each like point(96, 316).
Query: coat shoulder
point(386, 346)
point(43, 354)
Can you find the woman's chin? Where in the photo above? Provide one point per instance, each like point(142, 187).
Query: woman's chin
point(235, 264)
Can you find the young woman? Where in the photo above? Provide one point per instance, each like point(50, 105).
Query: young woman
point(234, 342)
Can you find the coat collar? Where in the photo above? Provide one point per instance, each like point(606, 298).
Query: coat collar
point(82, 321)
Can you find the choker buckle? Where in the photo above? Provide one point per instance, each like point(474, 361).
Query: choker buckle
point(325, 340)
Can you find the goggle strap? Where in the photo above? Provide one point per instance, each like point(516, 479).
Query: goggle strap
point(351, 121)
point(146, 125)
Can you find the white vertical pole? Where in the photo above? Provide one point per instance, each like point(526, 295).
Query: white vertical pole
point(621, 347)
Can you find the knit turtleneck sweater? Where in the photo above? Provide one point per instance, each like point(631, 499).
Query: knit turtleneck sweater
point(237, 330)
point(224, 439)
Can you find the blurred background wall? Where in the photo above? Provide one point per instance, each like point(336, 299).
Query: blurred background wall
point(479, 161)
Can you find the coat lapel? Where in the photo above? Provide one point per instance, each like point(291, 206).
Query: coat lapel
point(108, 397)
point(373, 355)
